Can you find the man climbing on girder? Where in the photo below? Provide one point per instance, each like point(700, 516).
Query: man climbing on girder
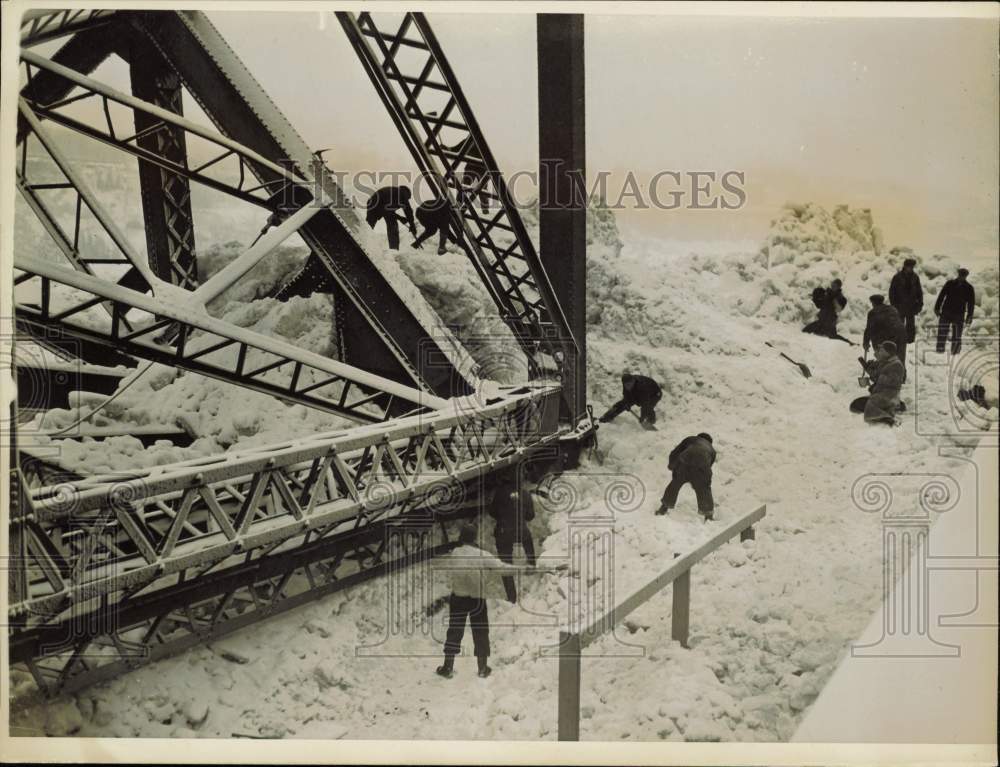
point(885, 324)
point(954, 306)
point(435, 217)
point(392, 205)
point(513, 508)
point(465, 566)
point(473, 176)
point(691, 462)
point(906, 295)
point(636, 390)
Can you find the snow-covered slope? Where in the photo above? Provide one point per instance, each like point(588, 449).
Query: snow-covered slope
point(769, 617)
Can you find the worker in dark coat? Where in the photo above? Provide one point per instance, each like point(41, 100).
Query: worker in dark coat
point(392, 205)
point(691, 462)
point(435, 217)
point(906, 295)
point(830, 302)
point(887, 379)
point(636, 390)
point(885, 324)
point(954, 306)
point(512, 508)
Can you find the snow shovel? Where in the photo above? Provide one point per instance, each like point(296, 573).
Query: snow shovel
point(802, 367)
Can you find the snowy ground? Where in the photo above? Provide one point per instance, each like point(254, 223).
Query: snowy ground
point(769, 617)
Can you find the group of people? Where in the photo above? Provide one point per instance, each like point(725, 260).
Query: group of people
point(891, 326)
point(511, 506)
point(953, 308)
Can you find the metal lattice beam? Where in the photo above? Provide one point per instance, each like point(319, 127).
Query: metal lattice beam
point(497, 241)
point(51, 297)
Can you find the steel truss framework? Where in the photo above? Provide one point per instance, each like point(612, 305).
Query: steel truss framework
point(422, 95)
point(99, 545)
point(112, 571)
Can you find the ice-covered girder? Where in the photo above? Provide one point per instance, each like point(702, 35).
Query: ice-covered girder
point(103, 540)
point(382, 330)
point(51, 297)
point(40, 26)
point(422, 95)
point(156, 119)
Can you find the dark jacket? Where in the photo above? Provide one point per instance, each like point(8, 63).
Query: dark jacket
point(956, 299)
point(386, 201)
point(512, 509)
point(884, 324)
point(640, 390)
point(692, 453)
point(888, 378)
point(434, 214)
point(905, 293)
point(830, 304)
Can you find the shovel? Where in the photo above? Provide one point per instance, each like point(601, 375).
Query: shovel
point(802, 368)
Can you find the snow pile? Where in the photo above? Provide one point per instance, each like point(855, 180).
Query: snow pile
point(808, 247)
point(769, 617)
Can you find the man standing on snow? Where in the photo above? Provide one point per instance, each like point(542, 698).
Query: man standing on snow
point(385, 205)
point(512, 508)
point(885, 324)
point(831, 303)
point(906, 295)
point(691, 461)
point(887, 379)
point(954, 307)
point(435, 217)
point(465, 565)
point(636, 390)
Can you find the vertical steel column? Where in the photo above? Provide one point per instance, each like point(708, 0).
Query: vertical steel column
point(562, 184)
point(569, 686)
point(166, 196)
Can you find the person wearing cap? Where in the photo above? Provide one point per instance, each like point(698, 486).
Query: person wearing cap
point(691, 462)
point(885, 324)
point(954, 306)
point(465, 565)
point(907, 296)
point(392, 205)
point(887, 379)
point(636, 390)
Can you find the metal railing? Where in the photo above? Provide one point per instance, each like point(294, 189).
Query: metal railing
point(571, 644)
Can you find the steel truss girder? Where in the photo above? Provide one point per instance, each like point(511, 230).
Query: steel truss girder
point(247, 358)
point(154, 120)
point(43, 25)
point(511, 270)
point(107, 534)
point(99, 643)
point(390, 338)
point(166, 195)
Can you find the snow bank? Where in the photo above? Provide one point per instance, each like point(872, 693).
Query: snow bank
point(770, 617)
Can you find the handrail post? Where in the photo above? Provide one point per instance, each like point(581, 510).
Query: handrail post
point(569, 686)
point(681, 620)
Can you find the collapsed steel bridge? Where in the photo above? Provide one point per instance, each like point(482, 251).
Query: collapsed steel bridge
point(109, 572)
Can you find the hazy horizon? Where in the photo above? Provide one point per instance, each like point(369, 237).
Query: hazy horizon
point(895, 115)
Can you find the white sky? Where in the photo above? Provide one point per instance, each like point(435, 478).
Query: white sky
point(896, 115)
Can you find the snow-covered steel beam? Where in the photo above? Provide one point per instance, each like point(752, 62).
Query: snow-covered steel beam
point(223, 279)
point(164, 115)
point(103, 217)
point(180, 309)
point(171, 518)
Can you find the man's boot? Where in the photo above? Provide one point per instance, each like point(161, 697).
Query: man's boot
point(484, 670)
point(448, 669)
point(662, 510)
